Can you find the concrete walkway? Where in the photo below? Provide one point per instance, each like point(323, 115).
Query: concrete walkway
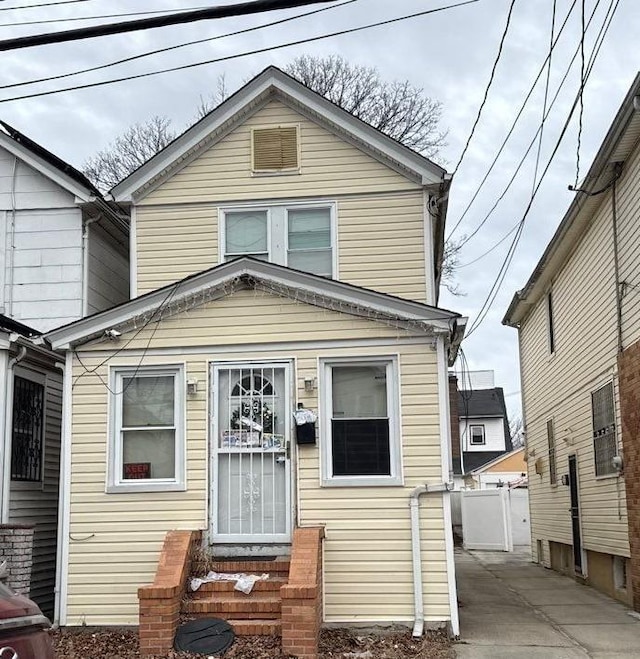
point(511, 608)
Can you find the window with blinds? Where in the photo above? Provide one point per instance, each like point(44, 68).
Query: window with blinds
point(275, 149)
point(604, 430)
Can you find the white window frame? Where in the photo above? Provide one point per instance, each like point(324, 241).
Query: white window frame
point(115, 482)
point(278, 228)
point(484, 435)
point(393, 411)
point(613, 473)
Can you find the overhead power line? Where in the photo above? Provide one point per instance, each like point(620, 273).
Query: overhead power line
point(495, 289)
point(44, 4)
point(538, 133)
point(180, 45)
point(240, 9)
point(238, 55)
point(93, 18)
point(488, 87)
point(513, 125)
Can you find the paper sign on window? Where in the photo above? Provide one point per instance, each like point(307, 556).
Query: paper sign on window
point(136, 470)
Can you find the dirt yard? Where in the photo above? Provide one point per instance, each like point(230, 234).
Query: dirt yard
point(334, 644)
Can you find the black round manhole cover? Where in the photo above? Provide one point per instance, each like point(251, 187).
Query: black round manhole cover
point(204, 636)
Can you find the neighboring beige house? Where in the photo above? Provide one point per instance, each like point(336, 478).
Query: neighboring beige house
point(578, 320)
point(283, 253)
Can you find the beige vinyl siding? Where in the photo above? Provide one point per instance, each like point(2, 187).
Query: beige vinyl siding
point(380, 214)
point(116, 538)
point(37, 503)
point(559, 386)
point(329, 166)
point(628, 212)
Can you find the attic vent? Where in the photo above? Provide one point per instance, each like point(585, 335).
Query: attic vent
point(275, 149)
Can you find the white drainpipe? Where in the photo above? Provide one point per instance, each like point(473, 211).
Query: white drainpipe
point(414, 504)
point(6, 467)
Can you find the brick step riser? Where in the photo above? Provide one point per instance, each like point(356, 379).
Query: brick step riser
point(255, 628)
point(235, 615)
point(233, 606)
point(227, 589)
point(251, 567)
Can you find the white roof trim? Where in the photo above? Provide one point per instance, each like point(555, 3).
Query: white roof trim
point(45, 168)
point(270, 80)
point(216, 278)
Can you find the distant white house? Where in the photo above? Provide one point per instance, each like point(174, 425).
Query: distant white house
point(63, 255)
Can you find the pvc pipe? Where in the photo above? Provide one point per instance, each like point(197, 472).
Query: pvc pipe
point(418, 601)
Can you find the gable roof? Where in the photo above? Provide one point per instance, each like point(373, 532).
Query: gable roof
point(12, 326)
point(621, 139)
point(482, 403)
point(247, 272)
point(270, 83)
point(47, 163)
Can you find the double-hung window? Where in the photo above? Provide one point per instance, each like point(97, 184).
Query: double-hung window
point(476, 434)
point(147, 436)
point(362, 434)
point(301, 236)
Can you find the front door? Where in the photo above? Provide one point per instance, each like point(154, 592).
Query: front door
point(251, 425)
point(575, 514)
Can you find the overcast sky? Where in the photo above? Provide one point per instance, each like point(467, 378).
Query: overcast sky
point(449, 54)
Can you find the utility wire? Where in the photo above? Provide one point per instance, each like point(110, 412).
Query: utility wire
point(46, 4)
point(488, 87)
point(580, 116)
point(180, 45)
point(482, 314)
point(238, 55)
point(488, 215)
point(495, 246)
point(513, 125)
point(546, 85)
point(225, 11)
point(92, 18)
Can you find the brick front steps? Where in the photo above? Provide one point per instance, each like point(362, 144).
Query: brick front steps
point(288, 603)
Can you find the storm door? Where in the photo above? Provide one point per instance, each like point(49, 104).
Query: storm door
point(251, 484)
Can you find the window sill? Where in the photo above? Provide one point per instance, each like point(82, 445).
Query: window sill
point(282, 172)
point(363, 481)
point(606, 477)
point(146, 487)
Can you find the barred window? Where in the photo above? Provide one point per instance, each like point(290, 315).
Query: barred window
point(27, 430)
point(551, 440)
point(604, 430)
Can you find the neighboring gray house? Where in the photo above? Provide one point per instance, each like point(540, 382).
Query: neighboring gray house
point(64, 252)
point(63, 255)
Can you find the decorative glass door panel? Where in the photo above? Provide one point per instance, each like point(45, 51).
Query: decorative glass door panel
point(251, 466)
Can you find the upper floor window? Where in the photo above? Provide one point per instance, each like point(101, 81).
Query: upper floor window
point(551, 443)
point(550, 326)
point(275, 149)
point(476, 434)
point(301, 236)
point(604, 430)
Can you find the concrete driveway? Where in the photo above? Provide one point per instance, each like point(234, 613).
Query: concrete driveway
point(511, 608)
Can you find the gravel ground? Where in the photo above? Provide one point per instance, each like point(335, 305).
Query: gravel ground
point(334, 644)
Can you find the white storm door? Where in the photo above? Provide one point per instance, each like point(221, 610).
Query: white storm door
point(251, 486)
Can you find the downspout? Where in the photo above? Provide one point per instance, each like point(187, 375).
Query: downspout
point(12, 242)
point(8, 432)
point(418, 599)
point(414, 504)
point(85, 264)
point(616, 262)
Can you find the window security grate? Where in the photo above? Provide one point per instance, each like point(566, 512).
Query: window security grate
point(27, 435)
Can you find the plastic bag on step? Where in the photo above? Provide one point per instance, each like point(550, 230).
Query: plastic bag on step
point(245, 582)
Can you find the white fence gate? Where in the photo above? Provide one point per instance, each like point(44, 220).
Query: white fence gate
point(520, 525)
point(486, 519)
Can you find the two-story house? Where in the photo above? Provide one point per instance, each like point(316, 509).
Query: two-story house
point(63, 255)
point(578, 320)
point(285, 258)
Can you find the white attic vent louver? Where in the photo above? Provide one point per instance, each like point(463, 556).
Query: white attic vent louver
point(275, 149)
